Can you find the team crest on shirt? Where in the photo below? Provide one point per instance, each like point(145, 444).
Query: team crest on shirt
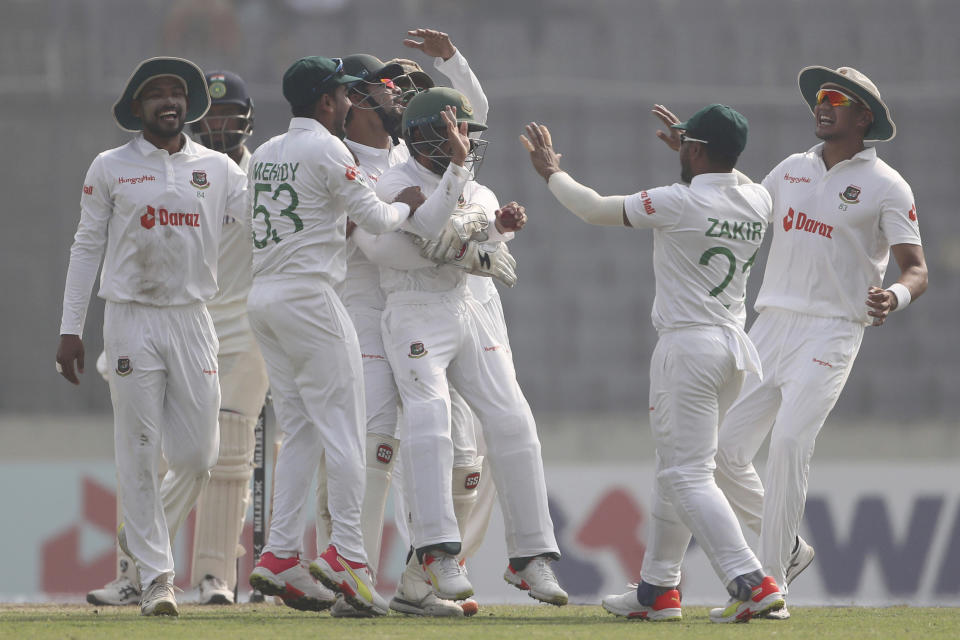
point(417, 350)
point(199, 180)
point(123, 366)
point(384, 453)
point(850, 195)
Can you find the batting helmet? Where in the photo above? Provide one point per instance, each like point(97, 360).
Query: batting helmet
point(426, 134)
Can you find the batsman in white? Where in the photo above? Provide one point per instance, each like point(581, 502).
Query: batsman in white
point(222, 505)
point(707, 231)
point(839, 211)
point(373, 130)
point(305, 183)
point(157, 203)
point(434, 333)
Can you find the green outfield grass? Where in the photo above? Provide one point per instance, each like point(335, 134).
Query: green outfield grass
point(270, 622)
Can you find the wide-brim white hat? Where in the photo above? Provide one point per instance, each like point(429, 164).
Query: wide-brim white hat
point(811, 79)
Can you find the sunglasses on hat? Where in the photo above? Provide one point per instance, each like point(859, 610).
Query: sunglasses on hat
point(685, 138)
point(836, 98)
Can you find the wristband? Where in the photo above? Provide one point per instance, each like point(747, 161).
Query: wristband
point(902, 294)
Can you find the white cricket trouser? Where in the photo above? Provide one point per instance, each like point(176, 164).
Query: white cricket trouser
point(693, 379)
point(316, 379)
point(166, 395)
point(222, 506)
point(429, 336)
point(806, 361)
point(379, 387)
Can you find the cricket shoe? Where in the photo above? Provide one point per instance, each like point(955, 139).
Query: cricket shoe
point(779, 614)
point(538, 580)
point(343, 609)
point(352, 579)
point(213, 590)
point(158, 598)
point(415, 596)
point(118, 593)
point(800, 559)
point(666, 608)
point(288, 579)
point(764, 597)
point(447, 576)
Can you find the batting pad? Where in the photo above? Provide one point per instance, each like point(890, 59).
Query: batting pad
point(223, 504)
point(466, 485)
point(381, 451)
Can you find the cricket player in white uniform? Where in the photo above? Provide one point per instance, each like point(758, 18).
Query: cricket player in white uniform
point(222, 504)
point(305, 184)
point(706, 234)
point(157, 203)
point(373, 129)
point(431, 332)
point(838, 213)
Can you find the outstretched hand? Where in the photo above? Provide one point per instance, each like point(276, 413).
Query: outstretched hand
point(671, 137)
point(538, 142)
point(456, 136)
point(436, 44)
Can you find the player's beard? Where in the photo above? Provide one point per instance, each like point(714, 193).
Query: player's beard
point(164, 131)
point(686, 172)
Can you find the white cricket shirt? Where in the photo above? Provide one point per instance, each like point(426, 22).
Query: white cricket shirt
point(235, 263)
point(443, 196)
point(159, 216)
point(833, 231)
point(705, 238)
point(361, 287)
point(303, 185)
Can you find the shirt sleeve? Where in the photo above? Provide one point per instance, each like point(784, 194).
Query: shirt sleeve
point(239, 205)
point(429, 218)
point(96, 208)
point(395, 250)
point(463, 80)
point(350, 185)
point(898, 215)
point(655, 208)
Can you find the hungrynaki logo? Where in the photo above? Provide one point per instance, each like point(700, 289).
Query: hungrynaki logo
point(384, 453)
point(88, 189)
point(850, 194)
point(168, 218)
point(795, 179)
point(136, 180)
point(199, 180)
point(805, 223)
point(472, 481)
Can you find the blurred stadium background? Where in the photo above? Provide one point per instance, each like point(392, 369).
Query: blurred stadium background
point(579, 316)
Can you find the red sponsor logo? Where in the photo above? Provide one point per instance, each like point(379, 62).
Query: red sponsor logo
point(136, 180)
point(472, 481)
point(384, 453)
point(168, 218)
point(647, 203)
point(795, 179)
point(88, 189)
point(913, 212)
point(209, 371)
point(802, 222)
point(351, 173)
point(371, 356)
point(495, 347)
point(463, 250)
point(823, 363)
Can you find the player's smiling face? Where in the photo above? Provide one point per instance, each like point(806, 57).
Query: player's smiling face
point(833, 123)
point(161, 107)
